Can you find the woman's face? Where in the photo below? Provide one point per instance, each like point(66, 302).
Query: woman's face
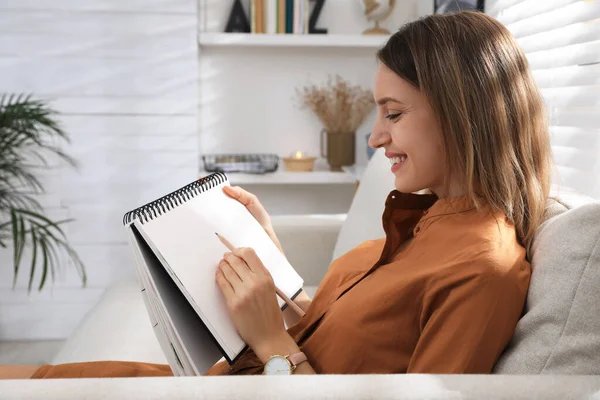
point(408, 130)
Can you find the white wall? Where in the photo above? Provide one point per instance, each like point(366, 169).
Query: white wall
point(124, 76)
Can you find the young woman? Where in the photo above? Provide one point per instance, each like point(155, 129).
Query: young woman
point(459, 115)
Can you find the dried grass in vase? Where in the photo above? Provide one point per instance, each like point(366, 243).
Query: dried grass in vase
point(340, 106)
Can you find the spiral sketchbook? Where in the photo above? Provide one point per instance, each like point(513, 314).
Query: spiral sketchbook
point(176, 255)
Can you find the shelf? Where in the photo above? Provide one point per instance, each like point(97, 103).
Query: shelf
point(291, 178)
point(291, 40)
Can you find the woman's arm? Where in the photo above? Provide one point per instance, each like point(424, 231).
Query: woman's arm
point(283, 346)
point(466, 326)
point(249, 293)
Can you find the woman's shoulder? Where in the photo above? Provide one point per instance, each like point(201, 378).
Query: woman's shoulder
point(484, 246)
point(358, 259)
point(364, 253)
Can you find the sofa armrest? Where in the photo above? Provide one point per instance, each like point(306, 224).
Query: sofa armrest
point(360, 387)
point(308, 242)
point(117, 328)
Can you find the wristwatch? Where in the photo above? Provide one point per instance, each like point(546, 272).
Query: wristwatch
point(283, 365)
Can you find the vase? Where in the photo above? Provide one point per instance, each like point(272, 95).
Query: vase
point(370, 150)
point(339, 149)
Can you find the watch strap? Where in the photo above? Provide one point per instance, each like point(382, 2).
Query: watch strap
point(297, 358)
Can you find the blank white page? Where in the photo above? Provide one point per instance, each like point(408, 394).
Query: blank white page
point(184, 238)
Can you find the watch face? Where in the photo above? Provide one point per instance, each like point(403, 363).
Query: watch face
point(278, 366)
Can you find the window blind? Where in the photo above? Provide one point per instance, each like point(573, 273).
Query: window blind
point(562, 41)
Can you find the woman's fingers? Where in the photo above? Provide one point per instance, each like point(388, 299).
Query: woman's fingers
point(230, 274)
point(251, 259)
point(224, 284)
point(239, 265)
point(251, 203)
point(244, 197)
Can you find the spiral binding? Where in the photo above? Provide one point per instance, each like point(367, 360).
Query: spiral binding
point(168, 202)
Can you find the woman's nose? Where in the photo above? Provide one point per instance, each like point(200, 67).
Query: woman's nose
point(378, 137)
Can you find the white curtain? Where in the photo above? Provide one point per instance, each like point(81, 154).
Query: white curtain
point(562, 41)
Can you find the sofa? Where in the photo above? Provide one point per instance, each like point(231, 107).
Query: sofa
point(554, 354)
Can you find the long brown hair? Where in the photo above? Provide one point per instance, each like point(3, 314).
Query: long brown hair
point(494, 127)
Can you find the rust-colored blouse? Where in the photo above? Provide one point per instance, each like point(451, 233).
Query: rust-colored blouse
point(448, 302)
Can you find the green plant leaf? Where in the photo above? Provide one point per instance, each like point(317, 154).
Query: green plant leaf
point(53, 259)
point(77, 263)
point(45, 257)
point(15, 233)
point(47, 223)
point(29, 134)
point(34, 245)
point(18, 228)
point(16, 201)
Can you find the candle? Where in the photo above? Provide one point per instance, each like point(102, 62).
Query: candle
point(299, 161)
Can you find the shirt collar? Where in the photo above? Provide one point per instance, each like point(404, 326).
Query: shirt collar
point(429, 204)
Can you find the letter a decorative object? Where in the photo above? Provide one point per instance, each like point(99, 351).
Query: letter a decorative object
point(314, 16)
point(237, 19)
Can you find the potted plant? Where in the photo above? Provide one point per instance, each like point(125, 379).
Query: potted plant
point(29, 136)
point(341, 108)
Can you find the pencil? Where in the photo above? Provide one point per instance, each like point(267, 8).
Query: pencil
point(288, 301)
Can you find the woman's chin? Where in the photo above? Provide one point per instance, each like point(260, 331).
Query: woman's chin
point(407, 187)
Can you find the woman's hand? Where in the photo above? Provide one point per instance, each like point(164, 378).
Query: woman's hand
point(251, 299)
point(251, 202)
point(257, 210)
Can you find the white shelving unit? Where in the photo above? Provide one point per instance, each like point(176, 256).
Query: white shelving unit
point(247, 85)
point(292, 178)
point(290, 40)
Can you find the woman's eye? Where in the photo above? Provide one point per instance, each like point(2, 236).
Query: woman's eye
point(393, 116)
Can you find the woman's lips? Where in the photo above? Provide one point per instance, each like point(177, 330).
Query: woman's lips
point(397, 163)
point(396, 160)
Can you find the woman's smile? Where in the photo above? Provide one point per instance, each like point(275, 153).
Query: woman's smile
point(396, 160)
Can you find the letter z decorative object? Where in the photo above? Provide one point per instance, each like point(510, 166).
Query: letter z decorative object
point(314, 16)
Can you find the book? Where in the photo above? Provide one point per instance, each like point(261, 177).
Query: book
point(306, 15)
point(176, 255)
point(271, 11)
point(289, 16)
point(298, 16)
point(260, 16)
point(253, 16)
point(281, 16)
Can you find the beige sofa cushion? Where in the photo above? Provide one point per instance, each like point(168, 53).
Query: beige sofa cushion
point(560, 330)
